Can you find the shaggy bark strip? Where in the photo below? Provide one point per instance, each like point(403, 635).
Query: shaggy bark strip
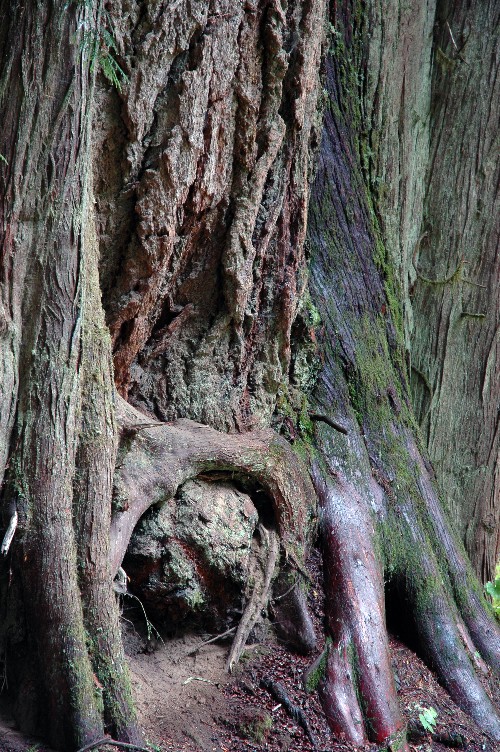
point(93, 490)
point(45, 114)
point(63, 447)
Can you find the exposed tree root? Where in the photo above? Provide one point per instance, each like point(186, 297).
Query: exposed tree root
point(358, 688)
point(358, 691)
point(107, 742)
point(277, 691)
point(260, 574)
point(156, 460)
point(481, 625)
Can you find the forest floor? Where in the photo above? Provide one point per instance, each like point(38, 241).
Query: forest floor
point(188, 703)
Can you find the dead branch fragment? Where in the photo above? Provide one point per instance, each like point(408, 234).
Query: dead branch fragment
point(278, 691)
point(193, 651)
point(417, 733)
point(107, 742)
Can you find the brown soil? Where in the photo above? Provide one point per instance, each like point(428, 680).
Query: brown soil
point(188, 703)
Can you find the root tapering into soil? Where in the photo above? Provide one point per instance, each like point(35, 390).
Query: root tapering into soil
point(260, 574)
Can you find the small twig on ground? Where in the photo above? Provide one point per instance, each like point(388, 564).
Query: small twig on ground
point(278, 691)
point(192, 651)
point(105, 741)
point(197, 678)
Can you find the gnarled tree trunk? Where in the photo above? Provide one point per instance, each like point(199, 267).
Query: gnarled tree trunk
point(200, 165)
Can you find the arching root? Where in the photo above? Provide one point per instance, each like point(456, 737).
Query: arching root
point(156, 459)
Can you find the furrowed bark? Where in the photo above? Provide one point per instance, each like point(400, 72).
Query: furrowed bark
point(455, 340)
point(378, 465)
point(202, 287)
point(46, 134)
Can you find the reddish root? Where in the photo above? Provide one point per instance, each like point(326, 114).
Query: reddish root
point(359, 673)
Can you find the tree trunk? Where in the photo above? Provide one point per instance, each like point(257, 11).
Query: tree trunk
point(203, 286)
point(58, 410)
point(380, 513)
point(201, 164)
point(455, 345)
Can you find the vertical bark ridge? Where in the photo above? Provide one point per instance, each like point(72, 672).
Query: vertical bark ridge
point(45, 105)
point(455, 344)
point(93, 490)
point(395, 143)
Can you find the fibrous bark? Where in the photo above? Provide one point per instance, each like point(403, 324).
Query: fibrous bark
point(455, 342)
point(203, 227)
point(381, 518)
point(56, 412)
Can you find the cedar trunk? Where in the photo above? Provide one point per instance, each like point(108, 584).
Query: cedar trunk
point(187, 210)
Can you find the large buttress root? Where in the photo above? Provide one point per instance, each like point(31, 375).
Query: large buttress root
point(92, 492)
point(358, 691)
point(379, 502)
point(482, 626)
point(452, 620)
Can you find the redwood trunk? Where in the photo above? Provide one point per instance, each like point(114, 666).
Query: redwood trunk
point(455, 341)
point(62, 586)
point(201, 175)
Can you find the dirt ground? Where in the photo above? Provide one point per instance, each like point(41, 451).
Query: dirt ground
point(188, 703)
